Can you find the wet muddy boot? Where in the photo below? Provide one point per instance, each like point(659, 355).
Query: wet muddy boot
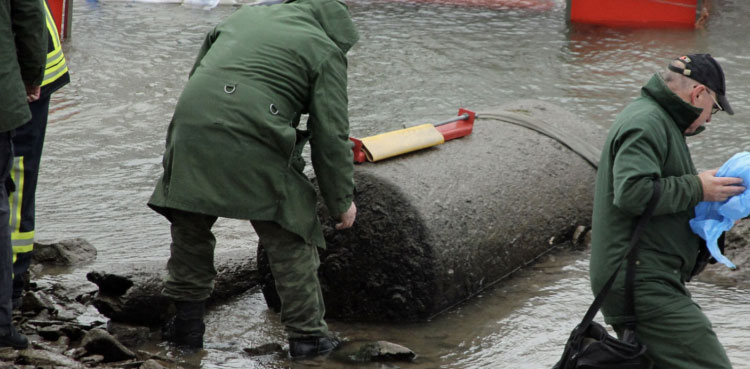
point(14, 339)
point(186, 328)
point(310, 347)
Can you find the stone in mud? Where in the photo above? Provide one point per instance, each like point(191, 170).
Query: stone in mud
point(373, 351)
point(36, 301)
point(71, 252)
point(46, 359)
point(58, 346)
point(8, 355)
point(437, 226)
point(128, 335)
point(98, 341)
point(386, 351)
point(92, 360)
point(151, 364)
point(132, 293)
point(51, 333)
point(265, 349)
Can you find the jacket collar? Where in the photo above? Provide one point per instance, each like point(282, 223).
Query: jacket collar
point(682, 112)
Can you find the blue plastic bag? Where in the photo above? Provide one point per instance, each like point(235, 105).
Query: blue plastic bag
point(713, 218)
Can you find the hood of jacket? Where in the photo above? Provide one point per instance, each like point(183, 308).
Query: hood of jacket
point(333, 17)
point(682, 112)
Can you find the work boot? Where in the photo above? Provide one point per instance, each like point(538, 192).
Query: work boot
point(14, 339)
point(309, 347)
point(186, 328)
point(19, 285)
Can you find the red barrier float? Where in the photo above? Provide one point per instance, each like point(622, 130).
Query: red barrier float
point(62, 13)
point(635, 13)
point(493, 4)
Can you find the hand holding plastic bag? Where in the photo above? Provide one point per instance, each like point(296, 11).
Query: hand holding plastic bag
point(713, 218)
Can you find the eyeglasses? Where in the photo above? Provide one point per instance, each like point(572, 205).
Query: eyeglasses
point(716, 108)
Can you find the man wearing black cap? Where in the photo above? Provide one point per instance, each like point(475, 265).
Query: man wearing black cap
point(647, 143)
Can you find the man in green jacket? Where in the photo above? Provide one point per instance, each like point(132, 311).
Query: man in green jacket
point(647, 143)
point(234, 150)
point(23, 45)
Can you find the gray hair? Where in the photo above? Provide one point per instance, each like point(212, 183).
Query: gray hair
point(677, 81)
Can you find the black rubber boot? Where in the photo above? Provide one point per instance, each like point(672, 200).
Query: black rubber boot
point(310, 347)
point(14, 339)
point(19, 285)
point(186, 328)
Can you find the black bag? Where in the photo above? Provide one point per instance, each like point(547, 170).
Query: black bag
point(704, 256)
point(593, 347)
point(590, 346)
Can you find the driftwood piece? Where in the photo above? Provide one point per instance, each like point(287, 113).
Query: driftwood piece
point(437, 226)
point(132, 293)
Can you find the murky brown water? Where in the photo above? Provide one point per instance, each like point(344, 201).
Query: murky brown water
point(415, 63)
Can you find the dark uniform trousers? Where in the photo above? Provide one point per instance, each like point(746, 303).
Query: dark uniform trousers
point(6, 252)
point(681, 339)
point(28, 141)
point(293, 262)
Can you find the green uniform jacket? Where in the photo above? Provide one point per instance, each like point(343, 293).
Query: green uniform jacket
point(647, 142)
point(23, 55)
point(233, 149)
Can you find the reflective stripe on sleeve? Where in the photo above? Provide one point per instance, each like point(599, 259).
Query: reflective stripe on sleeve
point(16, 198)
point(22, 242)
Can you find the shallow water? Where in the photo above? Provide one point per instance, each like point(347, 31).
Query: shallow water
point(415, 63)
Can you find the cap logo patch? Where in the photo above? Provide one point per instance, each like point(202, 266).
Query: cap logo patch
point(685, 58)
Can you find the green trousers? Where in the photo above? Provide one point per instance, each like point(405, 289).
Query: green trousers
point(293, 262)
point(681, 339)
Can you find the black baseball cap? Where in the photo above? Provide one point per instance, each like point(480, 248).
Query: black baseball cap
point(703, 68)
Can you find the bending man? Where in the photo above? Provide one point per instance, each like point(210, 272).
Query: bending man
point(234, 150)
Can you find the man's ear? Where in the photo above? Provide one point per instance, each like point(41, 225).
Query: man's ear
point(696, 91)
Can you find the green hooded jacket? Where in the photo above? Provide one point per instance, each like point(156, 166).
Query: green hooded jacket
point(23, 56)
point(647, 142)
point(233, 148)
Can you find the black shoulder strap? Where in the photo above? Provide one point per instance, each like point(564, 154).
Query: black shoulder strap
point(633, 256)
point(630, 273)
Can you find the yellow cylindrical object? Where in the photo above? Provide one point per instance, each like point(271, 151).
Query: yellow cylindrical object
point(389, 144)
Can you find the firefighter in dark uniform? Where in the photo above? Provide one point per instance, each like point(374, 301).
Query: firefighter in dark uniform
point(22, 49)
point(27, 143)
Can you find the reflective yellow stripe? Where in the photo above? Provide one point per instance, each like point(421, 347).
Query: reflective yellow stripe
point(52, 74)
point(56, 65)
point(52, 27)
point(21, 241)
point(23, 249)
point(16, 198)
